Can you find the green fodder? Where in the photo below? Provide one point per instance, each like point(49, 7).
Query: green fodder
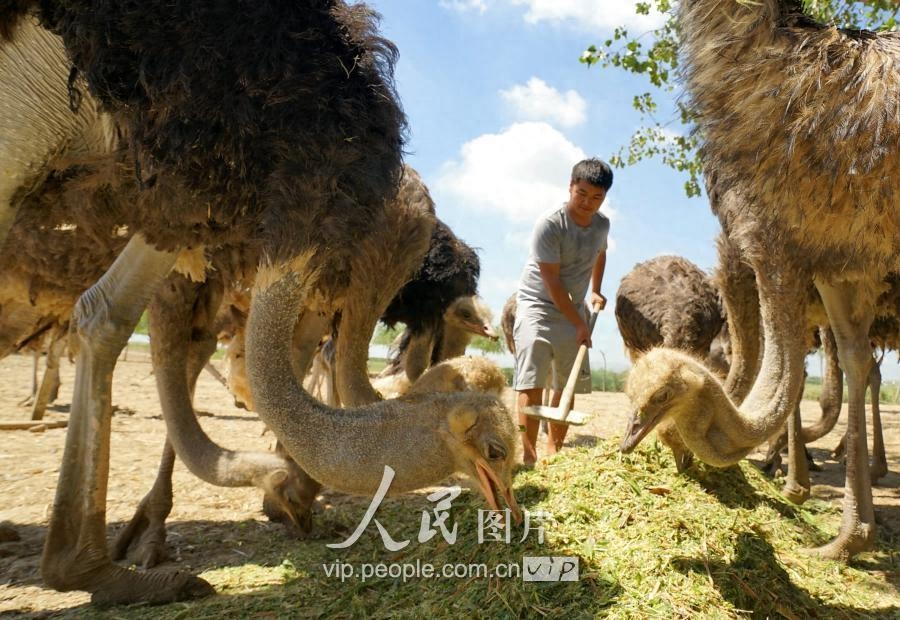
point(650, 543)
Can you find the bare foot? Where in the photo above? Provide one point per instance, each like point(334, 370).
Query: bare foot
point(529, 452)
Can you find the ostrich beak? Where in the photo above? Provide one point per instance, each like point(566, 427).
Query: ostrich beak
point(492, 488)
point(482, 329)
point(637, 429)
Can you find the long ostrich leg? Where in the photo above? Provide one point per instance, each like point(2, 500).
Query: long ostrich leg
point(35, 364)
point(143, 540)
point(797, 485)
point(850, 311)
point(878, 468)
point(75, 555)
point(182, 341)
point(831, 401)
point(50, 381)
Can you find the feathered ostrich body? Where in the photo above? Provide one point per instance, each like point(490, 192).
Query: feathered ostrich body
point(805, 101)
point(276, 131)
point(667, 301)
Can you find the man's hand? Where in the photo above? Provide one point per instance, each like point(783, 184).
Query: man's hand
point(583, 334)
point(598, 301)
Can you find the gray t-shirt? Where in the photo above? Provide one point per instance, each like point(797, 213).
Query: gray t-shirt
point(558, 239)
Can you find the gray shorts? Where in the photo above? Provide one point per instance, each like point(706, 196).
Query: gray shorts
point(544, 345)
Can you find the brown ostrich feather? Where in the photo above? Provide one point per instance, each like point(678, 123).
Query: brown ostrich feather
point(809, 118)
point(300, 131)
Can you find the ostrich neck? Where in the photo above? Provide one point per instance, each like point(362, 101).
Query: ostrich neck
point(453, 342)
point(741, 302)
point(831, 398)
point(345, 449)
point(724, 434)
point(778, 385)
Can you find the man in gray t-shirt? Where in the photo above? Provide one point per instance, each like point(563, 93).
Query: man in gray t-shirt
point(568, 253)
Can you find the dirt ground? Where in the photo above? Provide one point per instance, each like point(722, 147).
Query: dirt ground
point(29, 465)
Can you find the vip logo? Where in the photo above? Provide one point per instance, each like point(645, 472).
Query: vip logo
point(549, 568)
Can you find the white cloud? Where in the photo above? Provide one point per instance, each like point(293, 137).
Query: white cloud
point(464, 5)
point(536, 101)
point(518, 173)
point(591, 15)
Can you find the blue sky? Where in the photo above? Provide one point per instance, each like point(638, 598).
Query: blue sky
point(500, 109)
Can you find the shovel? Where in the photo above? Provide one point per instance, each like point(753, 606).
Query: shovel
point(564, 414)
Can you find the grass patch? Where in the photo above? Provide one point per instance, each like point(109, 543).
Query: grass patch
point(888, 396)
point(651, 544)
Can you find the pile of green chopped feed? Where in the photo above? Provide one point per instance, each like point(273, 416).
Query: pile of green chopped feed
point(649, 543)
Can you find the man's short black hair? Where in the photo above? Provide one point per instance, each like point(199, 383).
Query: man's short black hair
point(594, 171)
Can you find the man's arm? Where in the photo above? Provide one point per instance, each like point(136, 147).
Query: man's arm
point(597, 298)
point(560, 297)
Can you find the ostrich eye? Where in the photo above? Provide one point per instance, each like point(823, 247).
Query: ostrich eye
point(495, 452)
point(661, 396)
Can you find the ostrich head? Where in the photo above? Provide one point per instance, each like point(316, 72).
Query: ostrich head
point(469, 313)
point(483, 442)
point(660, 386)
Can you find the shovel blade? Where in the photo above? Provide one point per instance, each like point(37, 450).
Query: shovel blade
point(554, 414)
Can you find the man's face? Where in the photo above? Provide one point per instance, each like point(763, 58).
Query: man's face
point(584, 201)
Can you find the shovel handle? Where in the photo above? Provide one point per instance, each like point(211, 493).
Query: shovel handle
point(565, 403)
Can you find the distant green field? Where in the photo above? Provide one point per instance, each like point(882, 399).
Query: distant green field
point(889, 391)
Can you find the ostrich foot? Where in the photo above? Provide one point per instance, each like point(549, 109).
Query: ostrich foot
point(838, 453)
point(143, 541)
point(126, 587)
point(771, 465)
point(811, 464)
point(847, 544)
point(878, 469)
point(110, 584)
point(795, 493)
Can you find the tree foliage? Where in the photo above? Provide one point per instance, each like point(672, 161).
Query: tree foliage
point(386, 335)
point(487, 345)
point(654, 55)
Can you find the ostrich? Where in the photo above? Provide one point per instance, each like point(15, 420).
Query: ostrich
point(736, 283)
point(293, 146)
point(31, 146)
point(45, 265)
point(407, 223)
point(460, 374)
point(803, 120)
point(465, 317)
point(508, 322)
point(668, 301)
point(53, 260)
point(737, 286)
point(48, 263)
point(450, 271)
point(884, 335)
point(51, 342)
